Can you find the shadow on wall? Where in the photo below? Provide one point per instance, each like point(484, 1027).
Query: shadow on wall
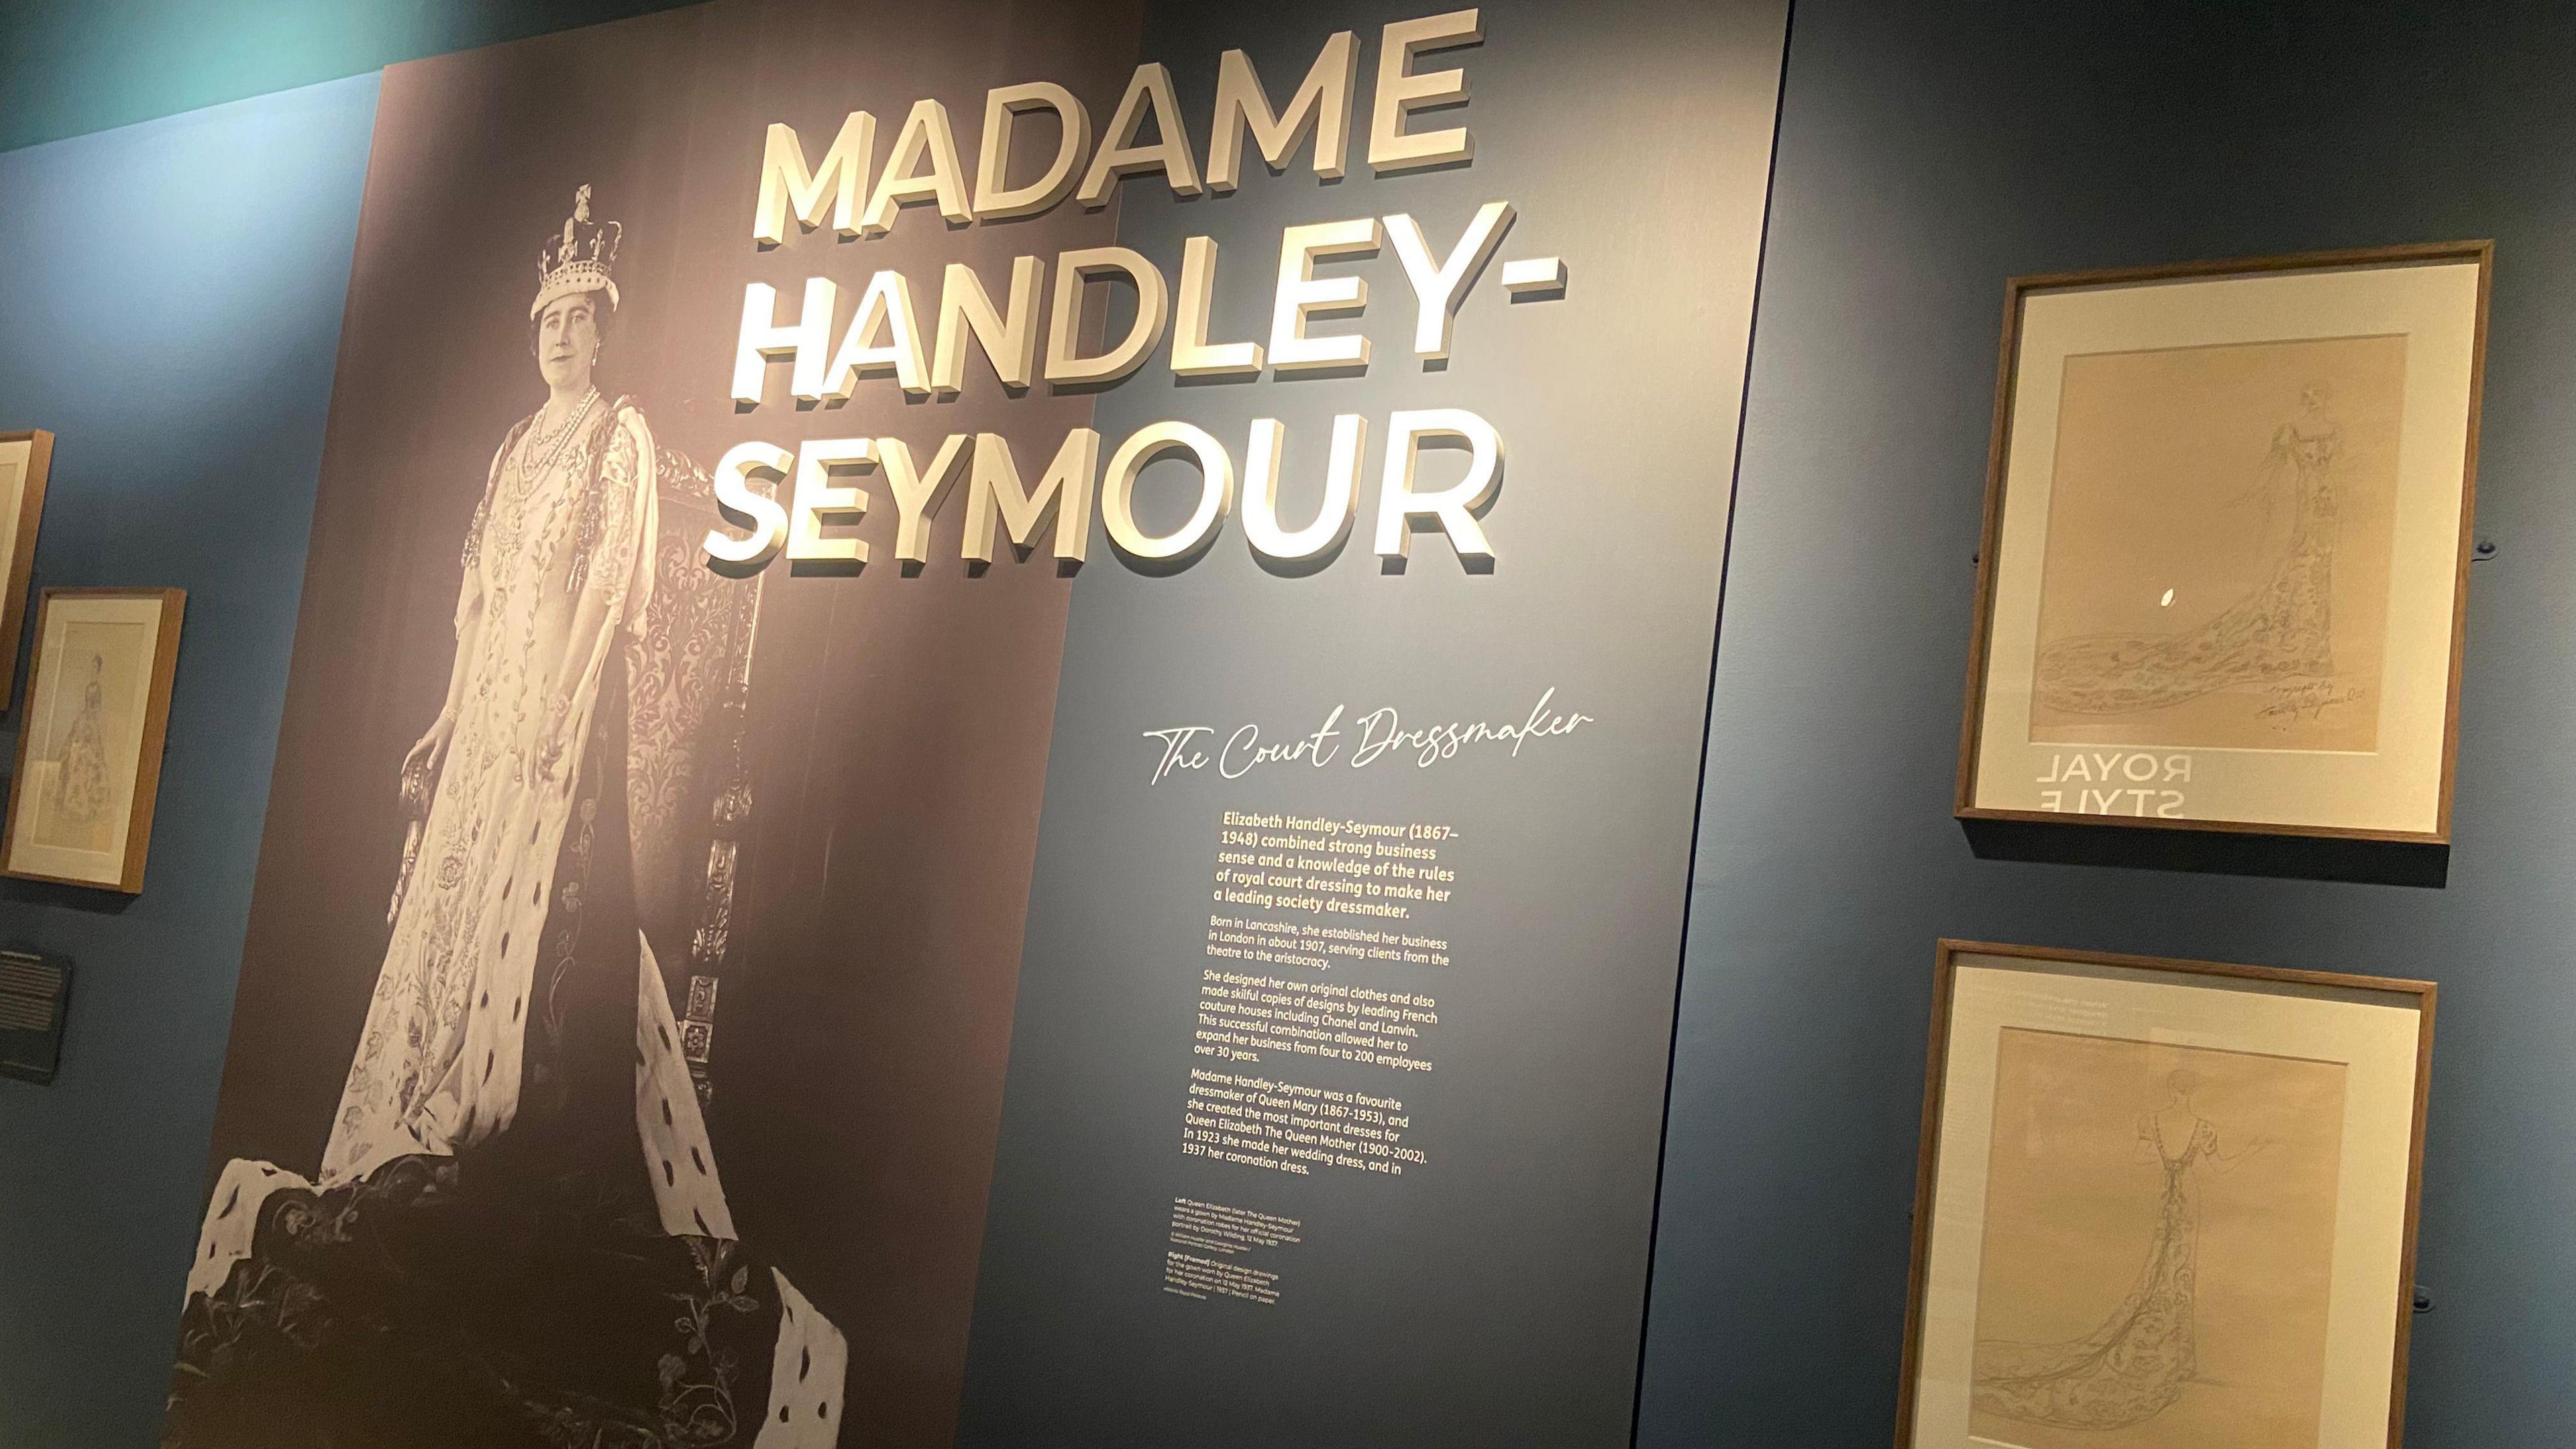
point(2213, 852)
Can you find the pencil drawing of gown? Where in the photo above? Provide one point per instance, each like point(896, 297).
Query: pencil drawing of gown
point(2134, 1365)
point(82, 785)
point(2283, 629)
point(517, 1238)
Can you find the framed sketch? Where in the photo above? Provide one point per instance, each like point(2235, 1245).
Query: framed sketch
point(24, 461)
point(89, 747)
point(2163, 1205)
point(2226, 546)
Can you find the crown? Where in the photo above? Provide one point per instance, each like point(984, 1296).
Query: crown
point(579, 259)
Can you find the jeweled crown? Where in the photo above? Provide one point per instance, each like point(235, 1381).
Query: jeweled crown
point(579, 259)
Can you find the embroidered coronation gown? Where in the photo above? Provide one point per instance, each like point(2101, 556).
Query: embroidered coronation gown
point(2134, 1365)
point(517, 1236)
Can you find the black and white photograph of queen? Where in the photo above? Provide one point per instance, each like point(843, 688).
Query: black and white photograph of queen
point(517, 1235)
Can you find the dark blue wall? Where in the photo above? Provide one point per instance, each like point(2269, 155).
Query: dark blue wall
point(1926, 153)
point(169, 308)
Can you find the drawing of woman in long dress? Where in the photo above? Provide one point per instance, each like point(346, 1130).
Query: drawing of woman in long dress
point(517, 1236)
point(81, 787)
point(2133, 1365)
point(2282, 630)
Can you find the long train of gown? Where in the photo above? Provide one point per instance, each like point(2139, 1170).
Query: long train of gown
point(522, 1291)
point(2134, 1365)
point(2282, 630)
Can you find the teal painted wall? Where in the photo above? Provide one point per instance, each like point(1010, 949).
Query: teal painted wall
point(170, 301)
point(69, 67)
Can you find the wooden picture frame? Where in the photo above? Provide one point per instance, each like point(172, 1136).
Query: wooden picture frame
point(2323, 1229)
point(26, 458)
point(2308, 698)
point(89, 748)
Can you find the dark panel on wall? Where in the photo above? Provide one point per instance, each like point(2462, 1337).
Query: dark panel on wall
point(1925, 155)
point(169, 306)
point(1487, 1296)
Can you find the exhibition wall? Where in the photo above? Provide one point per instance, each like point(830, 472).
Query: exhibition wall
point(1925, 155)
point(1922, 157)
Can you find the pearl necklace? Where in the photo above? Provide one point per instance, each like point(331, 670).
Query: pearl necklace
point(560, 440)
